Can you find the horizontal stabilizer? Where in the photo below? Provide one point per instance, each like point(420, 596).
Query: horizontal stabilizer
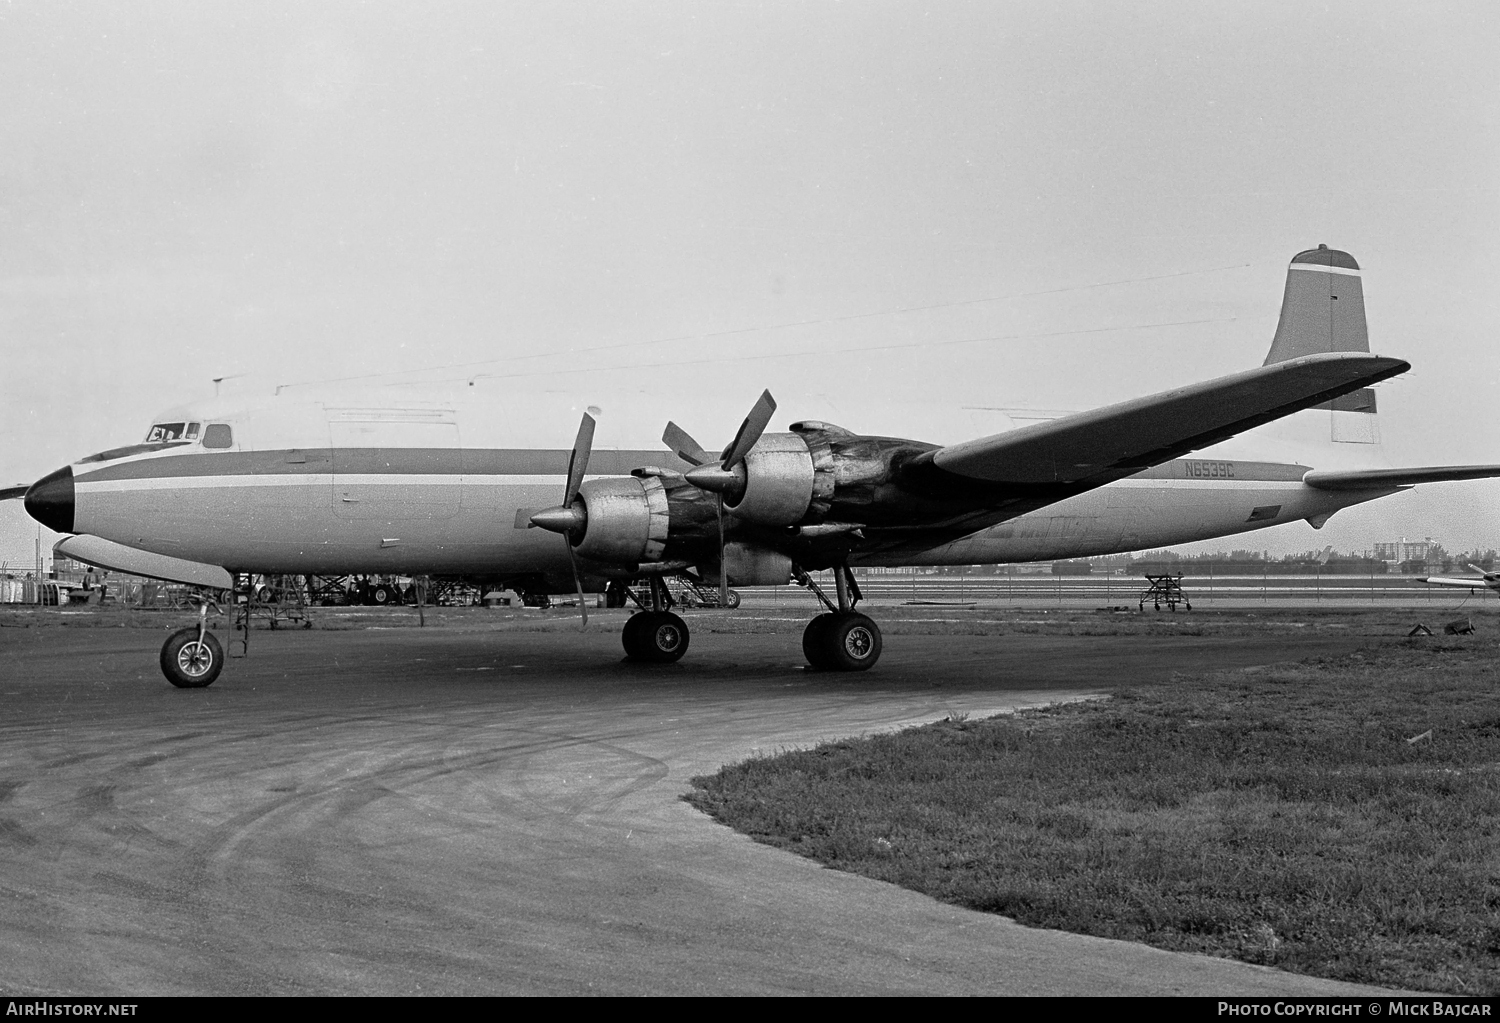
point(102, 553)
point(1122, 439)
point(1381, 479)
point(12, 493)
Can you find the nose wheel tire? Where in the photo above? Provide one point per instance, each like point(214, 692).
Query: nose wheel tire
point(846, 641)
point(189, 664)
point(656, 637)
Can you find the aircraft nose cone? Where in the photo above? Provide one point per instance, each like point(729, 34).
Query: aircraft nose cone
point(50, 500)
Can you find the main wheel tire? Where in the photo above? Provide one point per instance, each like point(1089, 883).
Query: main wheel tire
point(189, 664)
point(666, 639)
point(813, 646)
point(734, 600)
point(659, 637)
point(851, 642)
point(630, 636)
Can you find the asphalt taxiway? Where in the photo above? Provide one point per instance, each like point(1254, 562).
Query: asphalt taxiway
point(471, 810)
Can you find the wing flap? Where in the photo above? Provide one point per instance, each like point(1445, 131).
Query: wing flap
point(1381, 479)
point(1122, 439)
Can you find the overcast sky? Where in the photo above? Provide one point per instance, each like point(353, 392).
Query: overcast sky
point(820, 198)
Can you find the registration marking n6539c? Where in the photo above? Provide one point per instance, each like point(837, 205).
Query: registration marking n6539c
point(1200, 470)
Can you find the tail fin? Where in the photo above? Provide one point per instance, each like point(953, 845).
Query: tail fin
point(1324, 307)
point(1324, 311)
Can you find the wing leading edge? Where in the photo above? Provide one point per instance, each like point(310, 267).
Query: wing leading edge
point(1118, 440)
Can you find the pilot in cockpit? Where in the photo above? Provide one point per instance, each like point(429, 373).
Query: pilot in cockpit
point(162, 433)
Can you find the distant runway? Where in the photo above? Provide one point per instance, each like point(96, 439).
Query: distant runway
point(490, 806)
point(1202, 588)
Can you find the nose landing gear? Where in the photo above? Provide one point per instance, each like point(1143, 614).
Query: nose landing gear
point(842, 639)
point(192, 658)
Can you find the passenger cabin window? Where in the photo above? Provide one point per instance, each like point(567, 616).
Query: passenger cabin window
point(217, 435)
point(162, 432)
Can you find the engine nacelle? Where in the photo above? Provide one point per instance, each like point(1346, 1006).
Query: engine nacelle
point(785, 479)
point(749, 565)
point(627, 519)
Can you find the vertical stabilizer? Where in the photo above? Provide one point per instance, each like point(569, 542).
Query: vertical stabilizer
point(1323, 310)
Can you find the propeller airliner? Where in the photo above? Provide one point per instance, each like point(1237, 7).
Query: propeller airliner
point(219, 491)
point(1483, 581)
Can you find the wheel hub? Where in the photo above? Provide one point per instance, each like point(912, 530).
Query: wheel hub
point(194, 659)
point(858, 642)
point(668, 637)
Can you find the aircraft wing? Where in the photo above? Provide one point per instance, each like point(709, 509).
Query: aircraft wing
point(11, 493)
point(1119, 440)
point(1382, 479)
point(95, 550)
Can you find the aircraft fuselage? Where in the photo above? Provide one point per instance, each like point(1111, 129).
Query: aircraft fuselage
point(462, 511)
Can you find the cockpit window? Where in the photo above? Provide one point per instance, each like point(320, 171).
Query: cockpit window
point(217, 435)
point(192, 431)
point(164, 431)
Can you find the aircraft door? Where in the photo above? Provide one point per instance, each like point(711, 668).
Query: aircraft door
point(395, 464)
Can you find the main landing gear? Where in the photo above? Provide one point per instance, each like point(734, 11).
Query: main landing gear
point(842, 639)
point(654, 634)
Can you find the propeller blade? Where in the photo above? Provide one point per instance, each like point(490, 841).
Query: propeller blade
point(750, 430)
point(11, 493)
point(578, 583)
point(684, 446)
point(723, 568)
point(578, 461)
point(567, 517)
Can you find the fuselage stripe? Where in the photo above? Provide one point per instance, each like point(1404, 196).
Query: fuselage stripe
point(403, 479)
point(450, 480)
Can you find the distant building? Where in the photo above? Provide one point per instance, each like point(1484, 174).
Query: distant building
point(1404, 550)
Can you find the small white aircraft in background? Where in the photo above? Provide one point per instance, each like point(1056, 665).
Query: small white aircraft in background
point(219, 491)
point(1483, 581)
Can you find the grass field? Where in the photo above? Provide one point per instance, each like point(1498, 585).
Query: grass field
point(1339, 818)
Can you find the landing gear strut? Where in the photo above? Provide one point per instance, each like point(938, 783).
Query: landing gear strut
point(654, 634)
point(843, 639)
